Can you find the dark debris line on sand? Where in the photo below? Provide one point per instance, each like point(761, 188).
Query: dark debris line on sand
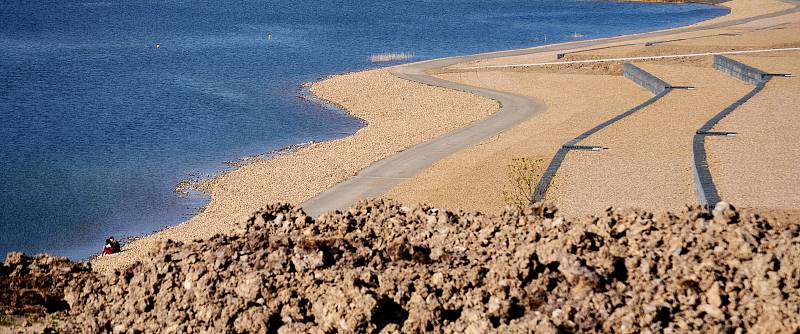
point(381, 267)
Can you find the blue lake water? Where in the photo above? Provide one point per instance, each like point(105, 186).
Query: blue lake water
point(97, 125)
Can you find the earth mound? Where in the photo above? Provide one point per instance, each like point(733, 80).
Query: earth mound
point(382, 267)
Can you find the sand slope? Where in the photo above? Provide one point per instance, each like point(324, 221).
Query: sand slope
point(761, 166)
point(648, 161)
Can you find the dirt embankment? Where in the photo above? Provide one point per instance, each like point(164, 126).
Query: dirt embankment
point(382, 267)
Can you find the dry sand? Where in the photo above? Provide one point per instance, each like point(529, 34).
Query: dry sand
point(648, 161)
point(780, 32)
point(399, 114)
point(475, 178)
point(760, 167)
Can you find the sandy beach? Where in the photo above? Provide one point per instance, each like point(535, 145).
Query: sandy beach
point(651, 146)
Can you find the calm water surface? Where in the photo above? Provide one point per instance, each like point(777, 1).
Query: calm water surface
point(97, 125)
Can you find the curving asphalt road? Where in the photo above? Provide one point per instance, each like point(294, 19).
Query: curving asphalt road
point(383, 175)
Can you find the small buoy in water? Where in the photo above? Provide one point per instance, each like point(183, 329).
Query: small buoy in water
point(269, 36)
point(158, 46)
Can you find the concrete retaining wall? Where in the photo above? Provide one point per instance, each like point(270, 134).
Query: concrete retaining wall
point(638, 75)
point(739, 70)
point(644, 79)
point(705, 189)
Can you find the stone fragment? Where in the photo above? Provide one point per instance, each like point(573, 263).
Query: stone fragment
point(249, 287)
point(712, 295)
point(725, 213)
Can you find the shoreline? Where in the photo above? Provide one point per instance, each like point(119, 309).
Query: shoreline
point(106, 263)
point(337, 159)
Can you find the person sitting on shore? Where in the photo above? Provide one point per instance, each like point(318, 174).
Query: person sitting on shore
point(107, 249)
point(115, 247)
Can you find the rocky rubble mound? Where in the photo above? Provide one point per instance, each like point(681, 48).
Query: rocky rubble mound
point(34, 285)
point(382, 267)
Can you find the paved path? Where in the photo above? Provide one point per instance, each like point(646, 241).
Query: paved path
point(383, 175)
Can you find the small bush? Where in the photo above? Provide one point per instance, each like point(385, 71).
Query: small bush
point(523, 174)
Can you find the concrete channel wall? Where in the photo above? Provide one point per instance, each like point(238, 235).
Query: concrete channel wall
point(637, 75)
point(739, 70)
point(705, 189)
point(644, 78)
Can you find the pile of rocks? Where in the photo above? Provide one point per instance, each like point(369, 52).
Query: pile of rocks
point(31, 286)
point(382, 267)
point(36, 284)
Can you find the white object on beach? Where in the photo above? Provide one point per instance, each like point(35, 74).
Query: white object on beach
point(390, 56)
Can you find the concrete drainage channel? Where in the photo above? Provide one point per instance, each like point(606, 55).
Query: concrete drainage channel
point(705, 190)
point(642, 78)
